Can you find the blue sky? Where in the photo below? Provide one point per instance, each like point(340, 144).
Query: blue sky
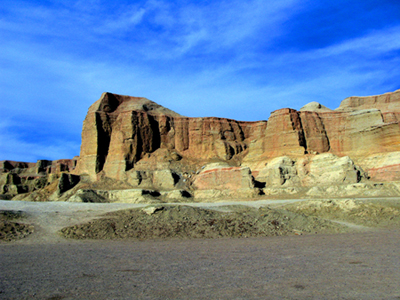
point(231, 59)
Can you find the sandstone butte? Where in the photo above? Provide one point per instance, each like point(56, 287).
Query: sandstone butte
point(134, 150)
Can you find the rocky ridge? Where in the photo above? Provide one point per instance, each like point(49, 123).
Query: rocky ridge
point(134, 150)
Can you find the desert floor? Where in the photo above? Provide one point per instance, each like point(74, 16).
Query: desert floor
point(362, 264)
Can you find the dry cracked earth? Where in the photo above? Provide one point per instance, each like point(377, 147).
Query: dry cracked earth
point(267, 249)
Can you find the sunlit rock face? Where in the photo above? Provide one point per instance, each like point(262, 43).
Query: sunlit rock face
point(120, 131)
point(134, 143)
point(386, 103)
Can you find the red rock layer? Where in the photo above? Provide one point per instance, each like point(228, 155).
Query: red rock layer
point(284, 134)
point(224, 179)
point(119, 131)
point(114, 139)
point(386, 173)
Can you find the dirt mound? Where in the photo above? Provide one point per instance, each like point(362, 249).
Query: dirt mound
point(366, 213)
point(10, 230)
point(181, 221)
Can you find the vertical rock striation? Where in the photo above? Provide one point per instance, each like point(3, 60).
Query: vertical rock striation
point(119, 131)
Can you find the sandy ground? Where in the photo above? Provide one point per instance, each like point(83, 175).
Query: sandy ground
point(360, 265)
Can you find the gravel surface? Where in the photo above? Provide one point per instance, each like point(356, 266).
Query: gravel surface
point(44, 265)
point(50, 217)
point(344, 266)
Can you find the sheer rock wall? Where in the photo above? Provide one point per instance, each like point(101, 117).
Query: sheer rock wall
point(135, 144)
point(119, 131)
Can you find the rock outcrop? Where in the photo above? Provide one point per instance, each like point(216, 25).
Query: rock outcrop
point(217, 180)
point(315, 106)
point(22, 178)
point(120, 131)
point(134, 144)
point(321, 170)
point(386, 103)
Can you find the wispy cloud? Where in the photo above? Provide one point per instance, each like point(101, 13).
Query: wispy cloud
point(15, 147)
point(375, 43)
point(125, 22)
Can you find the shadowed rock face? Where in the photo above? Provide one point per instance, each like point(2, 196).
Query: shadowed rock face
point(120, 130)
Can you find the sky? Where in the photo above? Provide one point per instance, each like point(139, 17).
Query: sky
point(230, 59)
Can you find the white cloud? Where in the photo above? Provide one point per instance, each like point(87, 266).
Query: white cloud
point(120, 23)
point(215, 27)
point(375, 43)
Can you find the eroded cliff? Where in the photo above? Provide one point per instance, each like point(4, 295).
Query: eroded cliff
point(134, 144)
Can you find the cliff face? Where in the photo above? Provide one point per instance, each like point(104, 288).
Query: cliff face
point(386, 103)
point(134, 150)
point(114, 140)
point(119, 131)
point(23, 178)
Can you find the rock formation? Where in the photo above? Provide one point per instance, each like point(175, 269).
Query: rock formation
point(220, 179)
point(137, 145)
point(23, 178)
